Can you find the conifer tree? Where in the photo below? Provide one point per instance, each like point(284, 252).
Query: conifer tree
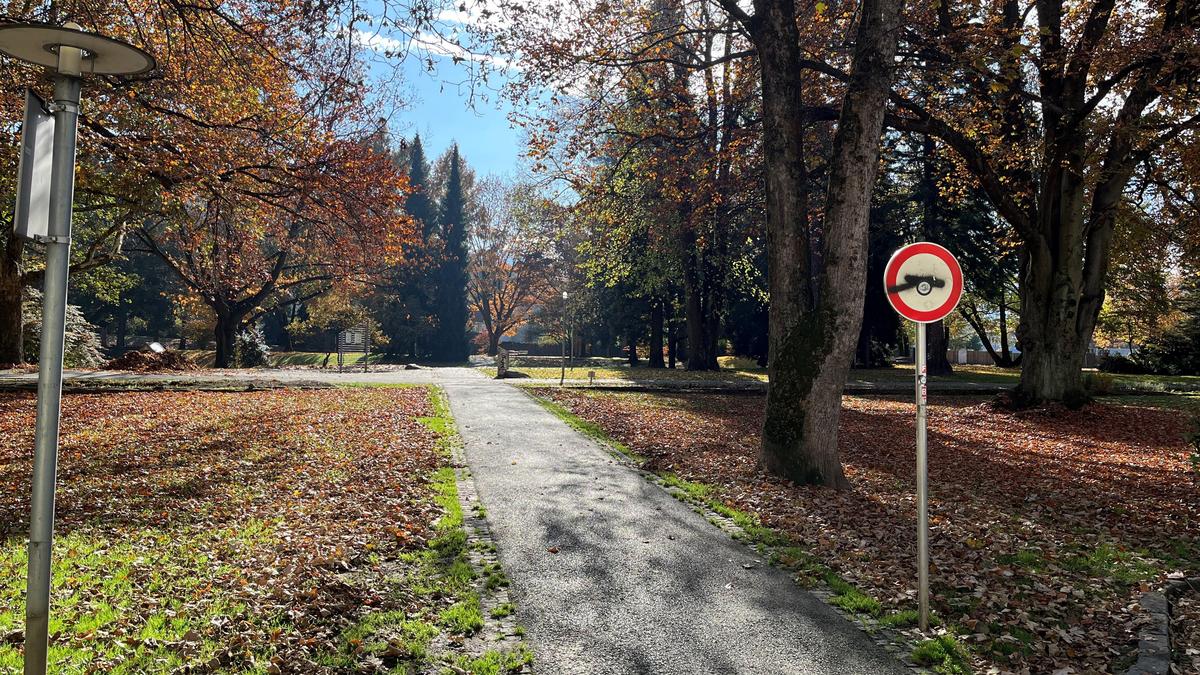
point(419, 204)
point(451, 342)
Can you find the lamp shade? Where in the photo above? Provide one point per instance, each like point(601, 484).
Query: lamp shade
point(38, 43)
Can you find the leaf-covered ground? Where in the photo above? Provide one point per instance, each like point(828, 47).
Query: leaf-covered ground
point(1046, 525)
point(271, 531)
point(1185, 632)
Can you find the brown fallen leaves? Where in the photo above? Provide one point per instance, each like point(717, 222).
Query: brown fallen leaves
point(1185, 632)
point(234, 513)
point(1046, 525)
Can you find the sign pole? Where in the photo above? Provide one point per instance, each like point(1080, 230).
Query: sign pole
point(922, 483)
point(54, 307)
point(924, 283)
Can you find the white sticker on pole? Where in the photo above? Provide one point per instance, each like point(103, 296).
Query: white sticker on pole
point(923, 282)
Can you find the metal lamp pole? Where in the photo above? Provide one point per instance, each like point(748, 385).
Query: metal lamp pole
point(70, 52)
point(54, 308)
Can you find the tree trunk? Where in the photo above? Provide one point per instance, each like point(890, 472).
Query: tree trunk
point(939, 339)
point(122, 325)
point(1053, 337)
point(672, 342)
point(493, 343)
point(812, 335)
point(656, 333)
point(225, 333)
point(11, 349)
point(631, 344)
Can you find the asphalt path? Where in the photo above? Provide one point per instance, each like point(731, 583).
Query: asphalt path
point(611, 574)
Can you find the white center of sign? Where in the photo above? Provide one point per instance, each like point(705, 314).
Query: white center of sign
point(924, 271)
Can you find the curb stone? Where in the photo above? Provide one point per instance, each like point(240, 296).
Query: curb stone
point(1154, 640)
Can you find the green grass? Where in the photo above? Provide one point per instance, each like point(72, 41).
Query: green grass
point(1027, 558)
point(1180, 401)
point(495, 662)
point(94, 592)
point(944, 654)
point(636, 373)
point(698, 491)
point(441, 572)
point(850, 598)
point(901, 619)
point(1106, 561)
point(206, 358)
point(382, 632)
point(463, 617)
point(503, 610)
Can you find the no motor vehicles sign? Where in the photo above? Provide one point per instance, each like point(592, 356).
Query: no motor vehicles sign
point(923, 282)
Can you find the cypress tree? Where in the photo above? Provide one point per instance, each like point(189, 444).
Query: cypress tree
point(419, 205)
point(451, 295)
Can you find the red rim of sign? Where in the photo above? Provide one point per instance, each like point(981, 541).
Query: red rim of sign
point(893, 271)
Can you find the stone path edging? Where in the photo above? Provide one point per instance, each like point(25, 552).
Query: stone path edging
point(1154, 640)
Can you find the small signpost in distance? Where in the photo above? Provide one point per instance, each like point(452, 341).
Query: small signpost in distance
point(924, 283)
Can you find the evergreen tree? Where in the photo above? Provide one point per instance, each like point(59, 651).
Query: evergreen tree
point(451, 343)
point(419, 204)
point(404, 305)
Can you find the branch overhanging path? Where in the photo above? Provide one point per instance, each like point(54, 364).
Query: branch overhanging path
point(611, 574)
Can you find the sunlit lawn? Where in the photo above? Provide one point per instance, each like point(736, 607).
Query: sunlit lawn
point(245, 532)
point(737, 371)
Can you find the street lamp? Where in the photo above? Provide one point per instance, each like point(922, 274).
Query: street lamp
point(566, 336)
point(70, 53)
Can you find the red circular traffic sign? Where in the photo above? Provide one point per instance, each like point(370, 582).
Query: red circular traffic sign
point(923, 282)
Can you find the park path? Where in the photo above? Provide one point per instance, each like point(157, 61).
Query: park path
point(613, 575)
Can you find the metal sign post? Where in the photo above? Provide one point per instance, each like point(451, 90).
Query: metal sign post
point(923, 283)
point(922, 484)
point(70, 52)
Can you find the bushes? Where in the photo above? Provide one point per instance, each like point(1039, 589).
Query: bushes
point(250, 350)
point(1121, 365)
point(81, 348)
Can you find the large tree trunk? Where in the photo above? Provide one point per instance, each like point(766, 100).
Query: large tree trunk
point(122, 326)
point(493, 343)
point(656, 333)
point(696, 324)
point(225, 333)
point(11, 350)
point(1053, 336)
point(812, 335)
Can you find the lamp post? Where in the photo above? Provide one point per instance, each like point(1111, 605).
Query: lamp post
point(562, 377)
point(70, 53)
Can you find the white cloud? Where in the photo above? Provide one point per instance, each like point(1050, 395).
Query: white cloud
point(429, 43)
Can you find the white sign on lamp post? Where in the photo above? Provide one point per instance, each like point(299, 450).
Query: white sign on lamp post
point(923, 283)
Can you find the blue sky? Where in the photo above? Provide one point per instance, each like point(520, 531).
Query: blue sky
point(440, 109)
